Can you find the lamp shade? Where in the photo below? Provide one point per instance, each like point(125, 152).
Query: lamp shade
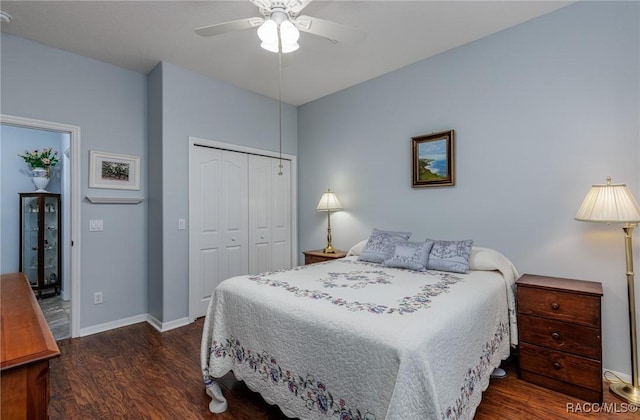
point(609, 203)
point(289, 34)
point(268, 34)
point(328, 202)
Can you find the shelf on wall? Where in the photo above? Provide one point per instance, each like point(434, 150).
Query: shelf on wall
point(115, 200)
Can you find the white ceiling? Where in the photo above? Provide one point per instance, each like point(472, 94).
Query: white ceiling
point(138, 34)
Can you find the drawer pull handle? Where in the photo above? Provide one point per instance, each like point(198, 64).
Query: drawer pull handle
point(555, 336)
point(556, 365)
point(555, 306)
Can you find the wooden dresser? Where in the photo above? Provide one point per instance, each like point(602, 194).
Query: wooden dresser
point(26, 345)
point(560, 335)
point(312, 257)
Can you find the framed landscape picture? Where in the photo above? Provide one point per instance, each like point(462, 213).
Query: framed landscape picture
point(433, 160)
point(114, 171)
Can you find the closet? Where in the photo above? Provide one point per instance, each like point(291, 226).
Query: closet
point(240, 218)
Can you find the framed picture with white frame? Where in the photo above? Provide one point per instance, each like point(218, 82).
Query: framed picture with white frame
point(114, 171)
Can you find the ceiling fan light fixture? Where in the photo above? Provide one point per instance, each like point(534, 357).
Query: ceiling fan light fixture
point(268, 34)
point(270, 46)
point(289, 36)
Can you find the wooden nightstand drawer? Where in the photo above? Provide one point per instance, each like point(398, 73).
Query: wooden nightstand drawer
point(563, 306)
point(560, 335)
point(561, 366)
point(557, 335)
point(312, 257)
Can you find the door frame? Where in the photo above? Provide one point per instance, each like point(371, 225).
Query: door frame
point(74, 200)
point(197, 141)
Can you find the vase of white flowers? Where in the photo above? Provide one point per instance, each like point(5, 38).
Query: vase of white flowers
point(40, 162)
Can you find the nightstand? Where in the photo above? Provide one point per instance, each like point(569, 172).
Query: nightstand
point(318, 255)
point(560, 335)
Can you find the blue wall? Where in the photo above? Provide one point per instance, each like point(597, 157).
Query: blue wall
point(541, 111)
point(108, 103)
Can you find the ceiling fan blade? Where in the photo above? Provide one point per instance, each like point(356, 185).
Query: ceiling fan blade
point(234, 25)
point(292, 7)
point(296, 6)
point(335, 32)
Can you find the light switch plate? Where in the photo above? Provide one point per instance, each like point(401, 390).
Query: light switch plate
point(96, 226)
point(181, 224)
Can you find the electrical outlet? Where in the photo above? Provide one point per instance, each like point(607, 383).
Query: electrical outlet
point(97, 298)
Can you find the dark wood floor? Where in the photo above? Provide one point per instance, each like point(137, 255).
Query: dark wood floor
point(137, 373)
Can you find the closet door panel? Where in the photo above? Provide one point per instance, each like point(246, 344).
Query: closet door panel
point(260, 197)
point(233, 205)
point(207, 237)
point(281, 215)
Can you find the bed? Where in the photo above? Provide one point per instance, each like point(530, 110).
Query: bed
point(351, 339)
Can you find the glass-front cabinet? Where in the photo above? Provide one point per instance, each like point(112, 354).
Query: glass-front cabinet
point(40, 251)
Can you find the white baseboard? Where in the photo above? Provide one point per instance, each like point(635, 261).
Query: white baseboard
point(112, 325)
point(153, 321)
point(166, 326)
point(625, 377)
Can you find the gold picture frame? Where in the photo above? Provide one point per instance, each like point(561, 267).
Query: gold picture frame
point(433, 160)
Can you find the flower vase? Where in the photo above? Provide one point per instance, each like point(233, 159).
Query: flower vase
point(40, 177)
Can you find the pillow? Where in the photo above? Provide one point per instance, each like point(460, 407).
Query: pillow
point(410, 255)
point(357, 248)
point(380, 245)
point(450, 256)
point(489, 259)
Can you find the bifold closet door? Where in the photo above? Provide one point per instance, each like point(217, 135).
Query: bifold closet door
point(269, 214)
point(220, 180)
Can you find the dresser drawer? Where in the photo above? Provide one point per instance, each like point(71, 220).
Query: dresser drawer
point(562, 306)
point(561, 366)
point(557, 335)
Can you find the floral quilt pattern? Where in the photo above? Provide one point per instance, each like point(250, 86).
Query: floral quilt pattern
point(313, 393)
point(474, 375)
point(362, 278)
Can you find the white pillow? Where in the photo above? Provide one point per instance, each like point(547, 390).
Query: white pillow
point(357, 248)
point(489, 259)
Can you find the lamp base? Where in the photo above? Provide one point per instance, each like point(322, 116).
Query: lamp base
point(626, 392)
point(329, 249)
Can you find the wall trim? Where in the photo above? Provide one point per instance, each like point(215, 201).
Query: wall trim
point(624, 376)
point(166, 326)
point(112, 325)
point(75, 183)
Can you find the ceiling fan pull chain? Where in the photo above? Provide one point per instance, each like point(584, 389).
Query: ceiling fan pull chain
point(280, 100)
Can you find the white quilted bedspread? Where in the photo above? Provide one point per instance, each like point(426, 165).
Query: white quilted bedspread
point(348, 340)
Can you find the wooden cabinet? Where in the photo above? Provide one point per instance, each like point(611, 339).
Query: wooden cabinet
point(27, 346)
point(40, 241)
point(318, 255)
point(560, 335)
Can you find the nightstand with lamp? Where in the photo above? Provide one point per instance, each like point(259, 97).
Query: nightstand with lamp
point(328, 202)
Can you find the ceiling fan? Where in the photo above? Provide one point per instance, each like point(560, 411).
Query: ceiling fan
point(279, 26)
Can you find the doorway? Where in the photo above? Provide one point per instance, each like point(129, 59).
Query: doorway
point(68, 183)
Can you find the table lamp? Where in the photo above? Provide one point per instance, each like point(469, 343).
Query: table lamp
point(329, 202)
point(614, 203)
